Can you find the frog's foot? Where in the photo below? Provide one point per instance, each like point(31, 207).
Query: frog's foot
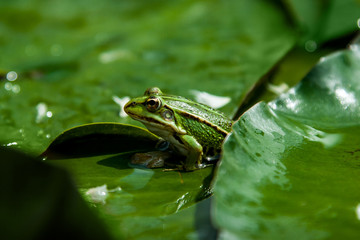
point(175, 164)
point(197, 167)
point(181, 167)
point(155, 159)
point(174, 167)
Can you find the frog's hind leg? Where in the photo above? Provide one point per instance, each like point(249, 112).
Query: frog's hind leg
point(193, 160)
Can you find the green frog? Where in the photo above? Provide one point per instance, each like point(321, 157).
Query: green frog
point(193, 130)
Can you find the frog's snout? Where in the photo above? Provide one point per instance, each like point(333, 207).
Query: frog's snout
point(129, 105)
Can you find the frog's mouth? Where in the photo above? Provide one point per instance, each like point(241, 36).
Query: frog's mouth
point(143, 119)
point(153, 124)
point(147, 120)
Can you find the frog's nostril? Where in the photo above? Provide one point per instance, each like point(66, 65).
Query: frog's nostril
point(130, 104)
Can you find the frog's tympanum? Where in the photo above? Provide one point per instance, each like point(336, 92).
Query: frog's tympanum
point(193, 130)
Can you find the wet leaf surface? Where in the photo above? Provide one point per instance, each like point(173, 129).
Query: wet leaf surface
point(151, 200)
point(100, 139)
point(291, 167)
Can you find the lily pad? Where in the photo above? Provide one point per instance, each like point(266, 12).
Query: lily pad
point(100, 139)
point(150, 200)
point(290, 168)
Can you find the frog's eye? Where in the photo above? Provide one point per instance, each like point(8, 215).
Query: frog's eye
point(168, 115)
point(153, 104)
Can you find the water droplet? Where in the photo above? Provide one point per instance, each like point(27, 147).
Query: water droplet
point(48, 136)
point(49, 114)
point(41, 109)
point(310, 46)
point(278, 89)
point(11, 76)
point(16, 88)
point(209, 99)
point(358, 211)
point(98, 194)
point(121, 102)
point(8, 86)
point(114, 55)
point(12, 87)
point(11, 144)
point(358, 23)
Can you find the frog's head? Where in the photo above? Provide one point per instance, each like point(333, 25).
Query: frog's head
point(152, 111)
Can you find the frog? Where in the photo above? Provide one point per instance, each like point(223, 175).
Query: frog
point(193, 130)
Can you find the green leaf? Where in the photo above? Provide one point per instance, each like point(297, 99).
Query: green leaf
point(39, 201)
point(290, 168)
point(140, 202)
point(100, 139)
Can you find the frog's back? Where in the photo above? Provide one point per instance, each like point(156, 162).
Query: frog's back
point(199, 113)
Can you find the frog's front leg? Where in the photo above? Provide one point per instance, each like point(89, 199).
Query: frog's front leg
point(194, 157)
